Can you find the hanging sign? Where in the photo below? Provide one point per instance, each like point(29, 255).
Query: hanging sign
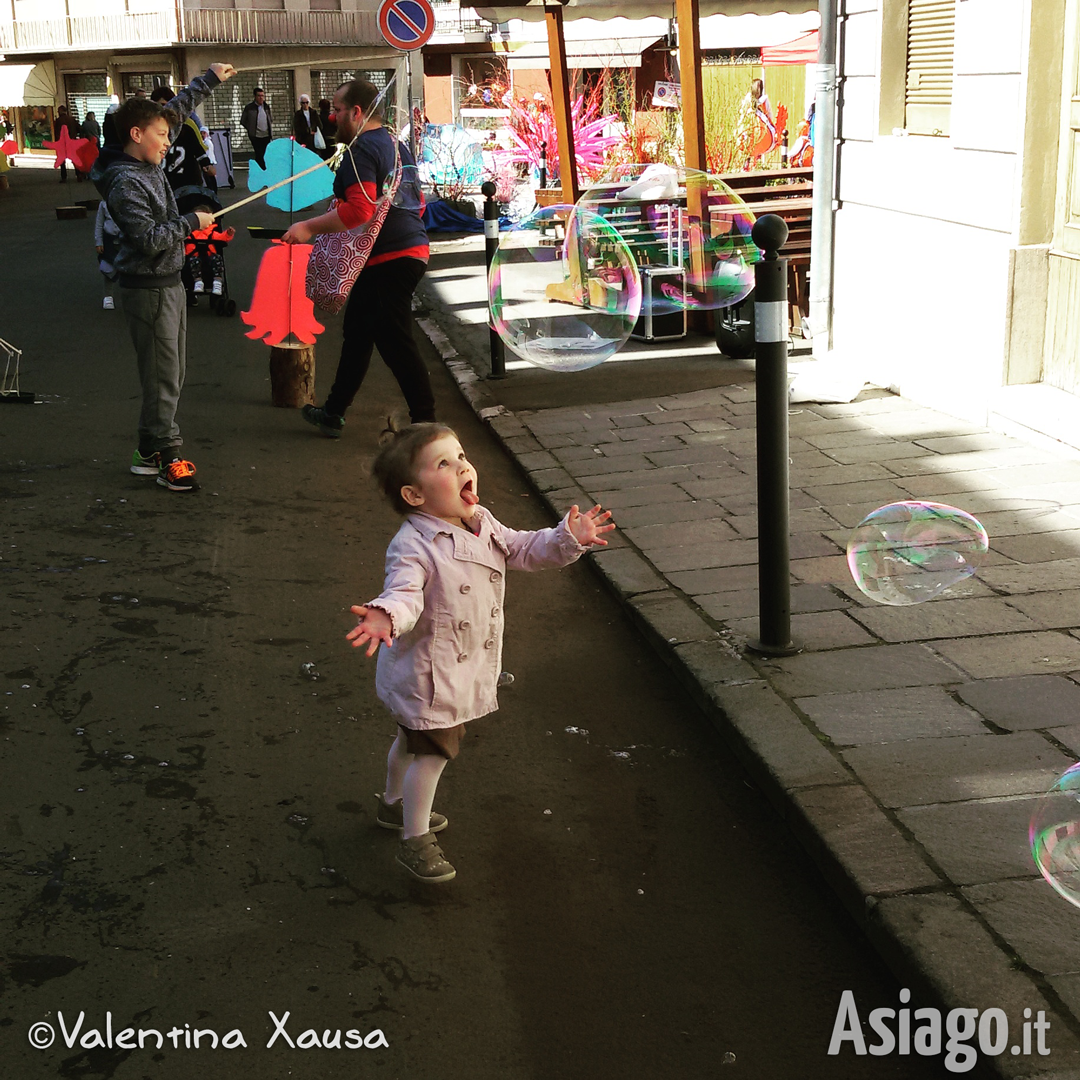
point(667, 95)
point(406, 24)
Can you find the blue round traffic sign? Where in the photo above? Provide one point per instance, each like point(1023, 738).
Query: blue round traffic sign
point(406, 24)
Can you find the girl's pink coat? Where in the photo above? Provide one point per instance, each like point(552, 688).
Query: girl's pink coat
point(444, 594)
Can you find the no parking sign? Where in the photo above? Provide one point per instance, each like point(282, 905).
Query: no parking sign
point(406, 24)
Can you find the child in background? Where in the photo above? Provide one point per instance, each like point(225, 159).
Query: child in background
point(440, 616)
point(204, 259)
point(107, 243)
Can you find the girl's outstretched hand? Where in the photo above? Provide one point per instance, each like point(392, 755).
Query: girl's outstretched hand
point(586, 528)
point(374, 627)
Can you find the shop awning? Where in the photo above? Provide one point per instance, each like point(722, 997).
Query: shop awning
point(803, 50)
point(533, 10)
point(620, 52)
point(755, 31)
point(27, 84)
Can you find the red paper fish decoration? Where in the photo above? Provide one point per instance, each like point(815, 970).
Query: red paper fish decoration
point(82, 153)
point(10, 147)
point(280, 305)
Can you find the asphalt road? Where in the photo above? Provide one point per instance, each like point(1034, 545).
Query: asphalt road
point(187, 818)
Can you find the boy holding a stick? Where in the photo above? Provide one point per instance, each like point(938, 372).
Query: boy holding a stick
point(151, 254)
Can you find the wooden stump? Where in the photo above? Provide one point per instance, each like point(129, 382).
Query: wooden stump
point(292, 375)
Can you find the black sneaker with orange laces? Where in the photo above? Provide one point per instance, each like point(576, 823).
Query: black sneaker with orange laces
point(176, 474)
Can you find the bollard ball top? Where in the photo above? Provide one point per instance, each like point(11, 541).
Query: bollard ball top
point(769, 232)
point(488, 189)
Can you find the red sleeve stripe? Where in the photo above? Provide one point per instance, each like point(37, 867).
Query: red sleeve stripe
point(358, 205)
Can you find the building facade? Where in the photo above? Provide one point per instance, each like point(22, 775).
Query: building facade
point(83, 53)
point(957, 230)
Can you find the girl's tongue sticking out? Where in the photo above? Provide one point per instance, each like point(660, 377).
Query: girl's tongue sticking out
point(468, 496)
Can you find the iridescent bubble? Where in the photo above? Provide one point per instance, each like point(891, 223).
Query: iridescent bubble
point(674, 216)
point(909, 552)
point(1055, 835)
point(565, 291)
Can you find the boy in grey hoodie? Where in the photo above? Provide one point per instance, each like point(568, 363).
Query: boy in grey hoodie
point(152, 231)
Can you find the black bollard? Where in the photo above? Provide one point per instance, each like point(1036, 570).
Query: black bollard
point(543, 164)
point(784, 149)
point(770, 351)
point(491, 245)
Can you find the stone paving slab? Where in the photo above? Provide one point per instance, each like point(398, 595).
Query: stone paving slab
point(1013, 654)
point(881, 667)
point(975, 842)
point(848, 822)
point(1029, 917)
point(812, 631)
point(880, 716)
point(957, 768)
point(905, 747)
point(1026, 702)
point(943, 619)
point(743, 603)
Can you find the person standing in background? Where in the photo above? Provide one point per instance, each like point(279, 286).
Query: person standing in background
point(64, 119)
point(257, 122)
point(328, 123)
point(91, 129)
point(306, 124)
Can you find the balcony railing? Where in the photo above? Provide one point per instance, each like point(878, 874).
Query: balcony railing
point(88, 32)
point(251, 26)
point(453, 21)
point(159, 28)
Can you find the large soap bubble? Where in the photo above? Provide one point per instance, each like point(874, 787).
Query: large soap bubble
point(1055, 835)
point(674, 216)
point(565, 291)
point(908, 552)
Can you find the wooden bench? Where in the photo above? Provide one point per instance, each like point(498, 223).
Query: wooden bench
point(788, 194)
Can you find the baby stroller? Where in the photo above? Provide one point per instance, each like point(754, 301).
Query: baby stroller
point(204, 268)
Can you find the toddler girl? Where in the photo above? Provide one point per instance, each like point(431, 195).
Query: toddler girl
point(440, 616)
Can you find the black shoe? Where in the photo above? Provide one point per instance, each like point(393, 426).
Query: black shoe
point(177, 475)
point(329, 424)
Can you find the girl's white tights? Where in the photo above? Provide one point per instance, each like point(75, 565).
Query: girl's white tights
point(413, 778)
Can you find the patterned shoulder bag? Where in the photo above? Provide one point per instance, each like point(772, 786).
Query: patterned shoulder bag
point(337, 258)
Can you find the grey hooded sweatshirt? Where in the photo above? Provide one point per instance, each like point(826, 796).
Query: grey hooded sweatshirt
point(142, 204)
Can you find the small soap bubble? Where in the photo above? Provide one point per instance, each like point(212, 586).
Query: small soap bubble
point(505, 679)
point(310, 671)
point(163, 764)
point(1055, 835)
point(909, 552)
point(728, 1058)
point(564, 288)
point(547, 813)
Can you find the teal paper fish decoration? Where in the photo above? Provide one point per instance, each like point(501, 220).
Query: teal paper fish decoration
point(285, 158)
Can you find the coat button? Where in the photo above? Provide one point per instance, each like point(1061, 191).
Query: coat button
point(466, 588)
point(462, 657)
point(495, 575)
point(489, 644)
point(495, 611)
point(464, 624)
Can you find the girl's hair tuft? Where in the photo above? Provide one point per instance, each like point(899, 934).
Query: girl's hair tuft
point(395, 464)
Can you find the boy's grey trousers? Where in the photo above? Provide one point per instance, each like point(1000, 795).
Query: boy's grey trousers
point(157, 319)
